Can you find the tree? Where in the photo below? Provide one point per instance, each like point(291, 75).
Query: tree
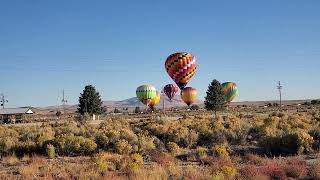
point(194, 107)
point(215, 99)
point(58, 113)
point(90, 101)
point(116, 110)
point(137, 110)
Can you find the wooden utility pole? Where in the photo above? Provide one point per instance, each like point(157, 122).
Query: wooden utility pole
point(279, 87)
point(163, 102)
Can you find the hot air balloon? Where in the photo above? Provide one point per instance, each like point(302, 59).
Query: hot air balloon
point(154, 101)
point(146, 93)
point(231, 90)
point(170, 90)
point(181, 67)
point(189, 95)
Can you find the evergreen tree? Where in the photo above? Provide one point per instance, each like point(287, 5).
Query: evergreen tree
point(137, 110)
point(90, 101)
point(215, 99)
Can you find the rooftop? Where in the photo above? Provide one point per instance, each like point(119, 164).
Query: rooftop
point(8, 111)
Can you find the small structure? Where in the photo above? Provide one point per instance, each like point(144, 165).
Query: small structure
point(15, 115)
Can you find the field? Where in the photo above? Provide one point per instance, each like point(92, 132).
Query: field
point(242, 142)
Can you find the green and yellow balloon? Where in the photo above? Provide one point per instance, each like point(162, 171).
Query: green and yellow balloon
point(146, 93)
point(230, 89)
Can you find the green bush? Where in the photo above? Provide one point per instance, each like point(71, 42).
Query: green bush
point(289, 144)
point(135, 161)
point(75, 145)
point(51, 153)
point(220, 150)
point(173, 148)
point(123, 147)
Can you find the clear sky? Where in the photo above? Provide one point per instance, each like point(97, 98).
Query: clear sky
point(47, 46)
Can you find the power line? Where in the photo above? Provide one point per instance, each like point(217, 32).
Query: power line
point(3, 100)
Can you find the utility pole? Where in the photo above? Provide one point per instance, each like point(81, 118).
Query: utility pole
point(163, 102)
point(279, 87)
point(64, 102)
point(3, 100)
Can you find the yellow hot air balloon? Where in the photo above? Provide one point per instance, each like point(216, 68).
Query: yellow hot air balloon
point(155, 101)
point(189, 95)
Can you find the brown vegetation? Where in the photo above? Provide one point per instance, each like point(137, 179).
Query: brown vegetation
point(192, 147)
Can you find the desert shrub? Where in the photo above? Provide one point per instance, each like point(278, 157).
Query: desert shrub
point(162, 158)
point(295, 168)
point(229, 171)
point(8, 139)
point(123, 147)
point(25, 158)
point(274, 171)
point(66, 129)
point(196, 173)
point(221, 167)
point(128, 135)
point(145, 143)
point(251, 173)
point(253, 159)
point(178, 135)
point(295, 143)
point(100, 162)
point(10, 160)
point(314, 170)
point(201, 152)
point(75, 145)
point(210, 138)
point(113, 136)
point(135, 161)
point(173, 148)
point(51, 153)
point(102, 141)
point(220, 150)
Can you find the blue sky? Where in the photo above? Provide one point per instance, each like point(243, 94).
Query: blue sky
point(47, 46)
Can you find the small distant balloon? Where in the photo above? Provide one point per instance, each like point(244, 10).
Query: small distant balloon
point(146, 93)
point(154, 101)
point(181, 67)
point(230, 89)
point(170, 90)
point(189, 95)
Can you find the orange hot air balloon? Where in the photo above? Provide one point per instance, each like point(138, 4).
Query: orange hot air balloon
point(154, 101)
point(189, 95)
point(181, 67)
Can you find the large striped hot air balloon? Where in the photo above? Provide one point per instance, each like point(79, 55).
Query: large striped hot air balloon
point(181, 67)
point(170, 90)
point(189, 95)
point(154, 101)
point(146, 93)
point(231, 90)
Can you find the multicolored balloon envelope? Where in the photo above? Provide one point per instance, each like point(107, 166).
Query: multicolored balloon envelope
point(170, 90)
point(154, 101)
point(230, 89)
point(146, 93)
point(189, 95)
point(181, 67)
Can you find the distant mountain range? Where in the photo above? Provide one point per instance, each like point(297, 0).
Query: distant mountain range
point(128, 103)
point(134, 102)
point(176, 102)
